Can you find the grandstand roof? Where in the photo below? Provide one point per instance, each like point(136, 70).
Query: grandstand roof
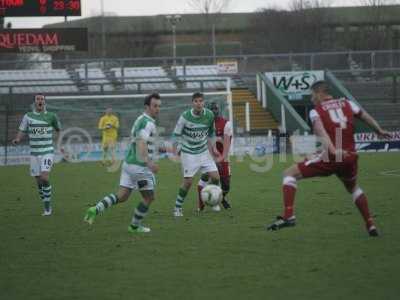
point(228, 21)
point(365, 15)
point(159, 23)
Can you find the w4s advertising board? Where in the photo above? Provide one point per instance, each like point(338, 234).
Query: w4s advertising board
point(295, 85)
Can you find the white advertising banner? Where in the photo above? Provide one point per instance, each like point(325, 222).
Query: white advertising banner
point(257, 146)
point(227, 67)
point(370, 142)
point(295, 84)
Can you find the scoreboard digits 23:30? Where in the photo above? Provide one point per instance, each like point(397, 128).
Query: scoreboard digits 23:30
point(40, 8)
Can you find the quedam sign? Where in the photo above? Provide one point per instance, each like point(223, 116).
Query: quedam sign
point(43, 40)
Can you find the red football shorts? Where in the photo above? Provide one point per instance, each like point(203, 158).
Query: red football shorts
point(346, 171)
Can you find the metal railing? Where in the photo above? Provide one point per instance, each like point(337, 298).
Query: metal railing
point(103, 85)
point(250, 63)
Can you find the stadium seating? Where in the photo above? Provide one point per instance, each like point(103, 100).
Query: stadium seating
point(203, 72)
point(4, 90)
point(377, 98)
point(96, 80)
point(35, 81)
point(149, 75)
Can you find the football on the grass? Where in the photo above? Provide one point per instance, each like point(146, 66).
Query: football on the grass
point(211, 194)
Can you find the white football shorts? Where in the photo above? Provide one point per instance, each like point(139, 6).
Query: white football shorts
point(41, 163)
point(137, 177)
point(192, 163)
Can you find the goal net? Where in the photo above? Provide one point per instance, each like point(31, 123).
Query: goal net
point(80, 139)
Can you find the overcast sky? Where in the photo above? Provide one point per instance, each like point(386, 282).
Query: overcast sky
point(155, 7)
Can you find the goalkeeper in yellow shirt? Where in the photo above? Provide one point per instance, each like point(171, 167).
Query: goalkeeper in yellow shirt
point(108, 125)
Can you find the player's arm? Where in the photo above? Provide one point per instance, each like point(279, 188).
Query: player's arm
point(372, 123)
point(142, 148)
point(57, 127)
point(20, 135)
point(143, 152)
point(227, 140)
point(211, 143)
point(57, 135)
point(227, 147)
point(22, 130)
point(177, 135)
point(213, 150)
point(368, 119)
point(116, 123)
point(323, 136)
point(101, 125)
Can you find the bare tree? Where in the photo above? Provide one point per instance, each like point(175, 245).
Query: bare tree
point(209, 6)
point(299, 5)
point(376, 34)
point(211, 9)
point(299, 29)
point(377, 3)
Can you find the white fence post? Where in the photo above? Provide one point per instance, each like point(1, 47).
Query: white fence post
point(283, 119)
point(247, 116)
point(263, 96)
point(230, 110)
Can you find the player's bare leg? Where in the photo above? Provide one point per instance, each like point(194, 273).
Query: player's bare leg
point(290, 178)
point(112, 199)
point(202, 183)
point(105, 154)
point(112, 151)
point(361, 201)
point(182, 193)
point(140, 213)
point(214, 177)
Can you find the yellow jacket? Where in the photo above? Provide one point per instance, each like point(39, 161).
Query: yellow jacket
point(109, 126)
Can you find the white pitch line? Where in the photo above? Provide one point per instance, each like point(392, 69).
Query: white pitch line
point(391, 173)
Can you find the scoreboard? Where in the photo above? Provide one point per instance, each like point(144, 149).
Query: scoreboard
point(40, 8)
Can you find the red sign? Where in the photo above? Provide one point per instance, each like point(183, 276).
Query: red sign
point(43, 40)
point(40, 8)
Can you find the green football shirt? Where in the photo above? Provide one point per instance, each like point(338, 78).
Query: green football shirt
point(193, 131)
point(144, 128)
point(39, 127)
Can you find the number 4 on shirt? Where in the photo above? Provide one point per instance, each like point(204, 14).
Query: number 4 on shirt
point(337, 116)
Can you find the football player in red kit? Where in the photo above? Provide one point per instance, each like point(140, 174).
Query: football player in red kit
point(333, 123)
point(223, 133)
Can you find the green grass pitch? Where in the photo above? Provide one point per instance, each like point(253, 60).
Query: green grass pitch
point(226, 255)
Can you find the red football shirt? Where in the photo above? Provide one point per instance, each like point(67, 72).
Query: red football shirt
point(337, 116)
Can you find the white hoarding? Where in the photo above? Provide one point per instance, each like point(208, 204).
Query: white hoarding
point(293, 84)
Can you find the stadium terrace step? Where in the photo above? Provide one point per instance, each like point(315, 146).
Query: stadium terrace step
point(260, 119)
point(387, 114)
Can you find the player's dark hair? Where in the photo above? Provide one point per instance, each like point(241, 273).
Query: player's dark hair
point(321, 86)
point(147, 99)
point(197, 95)
point(212, 105)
